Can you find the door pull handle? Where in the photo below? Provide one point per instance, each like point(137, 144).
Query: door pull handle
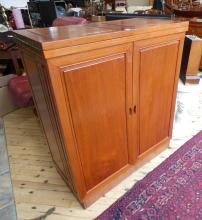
point(134, 109)
point(130, 111)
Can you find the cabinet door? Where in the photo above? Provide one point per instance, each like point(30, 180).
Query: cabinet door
point(158, 75)
point(98, 90)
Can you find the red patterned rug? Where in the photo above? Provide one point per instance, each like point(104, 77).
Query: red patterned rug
point(172, 191)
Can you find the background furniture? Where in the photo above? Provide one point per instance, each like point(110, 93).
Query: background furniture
point(13, 54)
point(10, 56)
point(116, 3)
point(21, 92)
point(191, 59)
point(8, 50)
point(192, 13)
point(6, 102)
point(105, 93)
point(118, 16)
point(43, 13)
point(63, 21)
point(158, 5)
point(195, 28)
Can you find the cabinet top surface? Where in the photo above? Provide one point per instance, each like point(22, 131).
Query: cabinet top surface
point(64, 36)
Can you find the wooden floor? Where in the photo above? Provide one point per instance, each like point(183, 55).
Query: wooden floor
point(37, 185)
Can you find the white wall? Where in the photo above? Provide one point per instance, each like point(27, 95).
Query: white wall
point(15, 3)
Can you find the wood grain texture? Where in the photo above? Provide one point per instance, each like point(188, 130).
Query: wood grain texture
point(156, 87)
point(91, 89)
point(68, 36)
point(104, 102)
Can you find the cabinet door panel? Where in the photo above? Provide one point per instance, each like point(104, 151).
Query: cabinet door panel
point(97, 95)
point(157, 79)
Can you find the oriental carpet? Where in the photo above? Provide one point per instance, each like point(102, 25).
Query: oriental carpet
point(172, 191)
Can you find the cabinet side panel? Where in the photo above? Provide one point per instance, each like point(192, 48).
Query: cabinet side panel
point(157, 78)
point(41, 91)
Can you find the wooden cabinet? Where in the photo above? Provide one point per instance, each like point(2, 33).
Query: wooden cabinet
point(105, 94)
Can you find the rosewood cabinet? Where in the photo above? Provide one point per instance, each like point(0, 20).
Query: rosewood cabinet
point(105, 94)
